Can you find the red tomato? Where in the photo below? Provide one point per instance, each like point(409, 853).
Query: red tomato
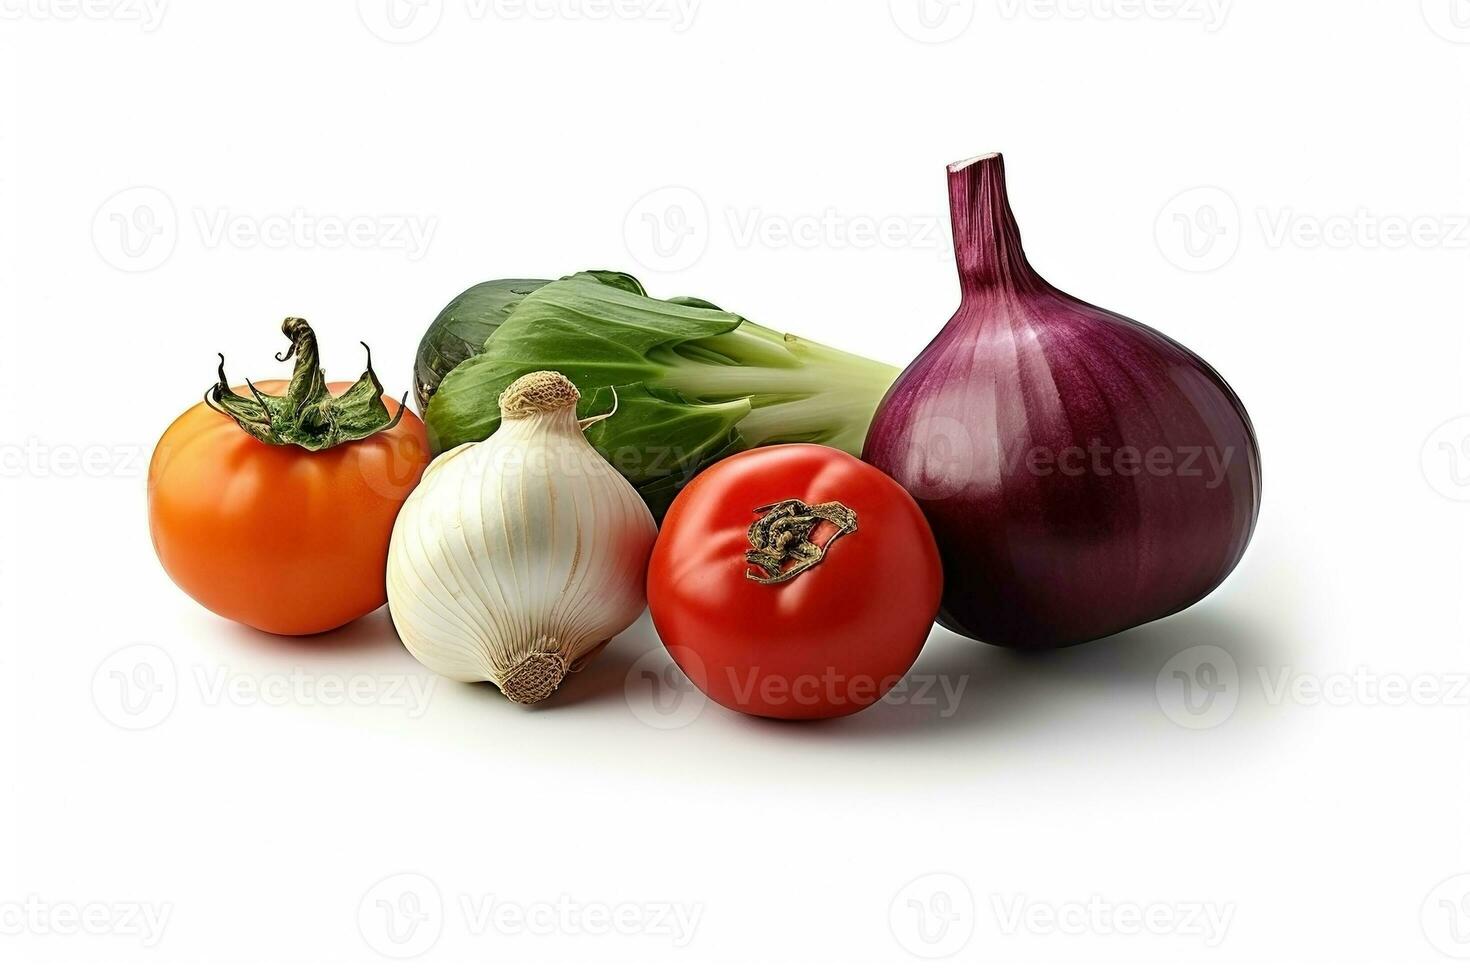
point(794, 582)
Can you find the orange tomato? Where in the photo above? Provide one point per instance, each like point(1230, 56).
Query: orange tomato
point(276, 537)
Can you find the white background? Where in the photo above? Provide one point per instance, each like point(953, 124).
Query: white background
point(171, 180)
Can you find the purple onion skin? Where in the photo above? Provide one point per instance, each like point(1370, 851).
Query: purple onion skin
point(1042, 554)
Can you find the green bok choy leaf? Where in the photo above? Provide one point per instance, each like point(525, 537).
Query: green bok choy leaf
point(460, 330)
point(692, 383)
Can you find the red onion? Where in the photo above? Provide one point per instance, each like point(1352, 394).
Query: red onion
point(1083, 473)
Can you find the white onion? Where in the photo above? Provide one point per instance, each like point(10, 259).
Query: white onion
point(519, 556)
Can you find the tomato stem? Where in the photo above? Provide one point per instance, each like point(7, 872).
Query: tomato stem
point(308, 415)
point(781, 539)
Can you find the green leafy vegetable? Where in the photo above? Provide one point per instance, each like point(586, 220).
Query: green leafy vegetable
point(460, 331)
point(692, 383)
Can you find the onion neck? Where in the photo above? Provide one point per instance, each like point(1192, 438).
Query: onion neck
point(987, 243)
point(540, 393)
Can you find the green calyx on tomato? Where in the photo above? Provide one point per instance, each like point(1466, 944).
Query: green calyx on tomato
point(308, 415)
point(781, 538)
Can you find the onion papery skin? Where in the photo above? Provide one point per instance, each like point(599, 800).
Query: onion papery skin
point(1082, 473)
point(523, 553)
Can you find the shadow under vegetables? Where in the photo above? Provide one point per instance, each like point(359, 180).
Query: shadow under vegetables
point(960, 687)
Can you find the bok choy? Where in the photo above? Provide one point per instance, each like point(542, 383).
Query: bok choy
point(686, 382)
point(460, 330)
